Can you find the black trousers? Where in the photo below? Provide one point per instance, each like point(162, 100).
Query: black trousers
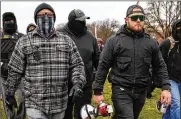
point(86, 99)
point(126, 104)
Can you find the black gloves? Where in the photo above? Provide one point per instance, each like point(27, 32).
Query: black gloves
point(76, 93)
point(11, 101)
point(4, 69)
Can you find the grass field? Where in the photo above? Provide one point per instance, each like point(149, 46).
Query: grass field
point(149, 111)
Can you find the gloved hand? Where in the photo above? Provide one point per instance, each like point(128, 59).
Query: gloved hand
point(76, 93)
point(4, 69)
point(11, 101)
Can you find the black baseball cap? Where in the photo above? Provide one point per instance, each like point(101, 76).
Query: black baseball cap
point(78, 15)
point(130, 10)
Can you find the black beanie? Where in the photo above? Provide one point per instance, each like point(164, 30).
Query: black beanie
point(43, 6)
point(9, 16)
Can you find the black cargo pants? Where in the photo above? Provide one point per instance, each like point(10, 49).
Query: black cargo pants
point(126, 104)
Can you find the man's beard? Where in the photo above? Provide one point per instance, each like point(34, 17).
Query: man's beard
point(135, 28)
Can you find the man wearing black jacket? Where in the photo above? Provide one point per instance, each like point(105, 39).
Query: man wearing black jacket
point(87, 45)
point(171, 52)
point(8, 40)
point(130, 53)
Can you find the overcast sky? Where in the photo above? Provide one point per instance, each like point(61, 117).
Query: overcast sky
point(24, 11)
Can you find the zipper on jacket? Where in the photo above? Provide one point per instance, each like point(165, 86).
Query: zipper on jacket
point(134, 64)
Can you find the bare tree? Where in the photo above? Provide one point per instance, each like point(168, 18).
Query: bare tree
point(161, 15)
point(104, 28)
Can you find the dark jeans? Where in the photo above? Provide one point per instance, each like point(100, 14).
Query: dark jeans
point(86, 99)
point(126, 104)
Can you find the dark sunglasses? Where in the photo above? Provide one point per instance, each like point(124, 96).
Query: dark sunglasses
point(136, 17)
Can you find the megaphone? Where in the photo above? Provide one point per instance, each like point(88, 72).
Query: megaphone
point(89, 112)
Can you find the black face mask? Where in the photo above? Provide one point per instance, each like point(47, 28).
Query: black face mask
point(10, 27)
point(77, 27)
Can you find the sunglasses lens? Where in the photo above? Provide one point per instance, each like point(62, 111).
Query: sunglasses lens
point(140, 17)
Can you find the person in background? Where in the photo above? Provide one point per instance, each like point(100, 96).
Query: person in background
point(46, 59)
point(171, 52)
point(30, 27)
point(100, 44)
point(10, 36)
point(89, 51)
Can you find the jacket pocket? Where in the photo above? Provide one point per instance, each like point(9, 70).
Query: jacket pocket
point(123, 62)
point(62, 52)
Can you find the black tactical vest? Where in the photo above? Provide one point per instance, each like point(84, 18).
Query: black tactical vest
point(8, 43)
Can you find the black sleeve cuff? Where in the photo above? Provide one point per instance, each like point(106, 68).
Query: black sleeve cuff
point(166, 87)
point(98, 92)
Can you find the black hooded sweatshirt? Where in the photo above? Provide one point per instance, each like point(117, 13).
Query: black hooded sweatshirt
point(8, 42)
point(88, 49)
point(172, 57)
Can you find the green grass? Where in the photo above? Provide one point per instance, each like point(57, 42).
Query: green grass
point(149, 111)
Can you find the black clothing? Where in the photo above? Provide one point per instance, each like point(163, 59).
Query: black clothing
point(77, 27)
point(172, 56)
point(174, 31)
point(89, 51)
point(127, 105)
point(8, 43)
point(10, 28)
point(130, 56)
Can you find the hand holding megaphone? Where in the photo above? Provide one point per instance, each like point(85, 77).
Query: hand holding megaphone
point(98, 98)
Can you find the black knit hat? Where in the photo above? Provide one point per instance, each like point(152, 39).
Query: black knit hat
point(130, 10)
point(9, 16)
point(78, 15)
point(43, 6)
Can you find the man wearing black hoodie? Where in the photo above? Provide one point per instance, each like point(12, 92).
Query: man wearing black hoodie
point(89, 51)
point(171, 52)
point(130, 53)
point(8, 40)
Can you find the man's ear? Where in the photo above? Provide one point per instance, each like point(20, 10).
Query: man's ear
point(126, 19)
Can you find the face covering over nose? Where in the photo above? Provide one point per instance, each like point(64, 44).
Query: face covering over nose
point(77, 27)
point(9, 27)
point(45, 25)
